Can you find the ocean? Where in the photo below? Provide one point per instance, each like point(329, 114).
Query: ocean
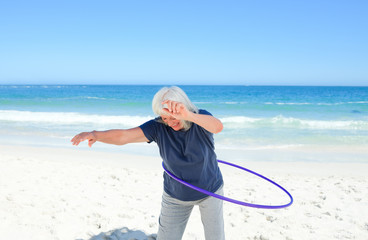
point(256, 118)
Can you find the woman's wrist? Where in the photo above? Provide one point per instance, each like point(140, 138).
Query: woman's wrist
point(190, 117)
point(94, 134)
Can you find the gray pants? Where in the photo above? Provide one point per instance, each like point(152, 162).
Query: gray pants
point(175, 214)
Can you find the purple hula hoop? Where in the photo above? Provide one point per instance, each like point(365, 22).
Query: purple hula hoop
point(230, 199)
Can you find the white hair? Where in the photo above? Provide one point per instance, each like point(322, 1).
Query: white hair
point(176, 94)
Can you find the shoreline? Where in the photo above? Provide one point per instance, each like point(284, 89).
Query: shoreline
point(342, 153)
point(79, 193)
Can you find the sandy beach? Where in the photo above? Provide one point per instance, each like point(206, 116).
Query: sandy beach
point(81, 193)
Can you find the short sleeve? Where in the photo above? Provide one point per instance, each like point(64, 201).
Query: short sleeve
point(150, 130)
point(204, 112)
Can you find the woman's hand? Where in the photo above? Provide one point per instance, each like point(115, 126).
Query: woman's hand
point(179, 111)
point(90, 136)
point(176, 110)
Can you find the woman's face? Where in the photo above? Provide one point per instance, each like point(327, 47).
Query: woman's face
point(172, 122)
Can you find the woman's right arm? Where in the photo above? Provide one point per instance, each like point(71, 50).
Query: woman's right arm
point(114, 136)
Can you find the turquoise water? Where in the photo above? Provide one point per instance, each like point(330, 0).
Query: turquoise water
point(255, 117)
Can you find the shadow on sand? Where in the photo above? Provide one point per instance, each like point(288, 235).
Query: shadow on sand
point(123, 234)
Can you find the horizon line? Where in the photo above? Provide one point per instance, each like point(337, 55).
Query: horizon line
point(203, 84)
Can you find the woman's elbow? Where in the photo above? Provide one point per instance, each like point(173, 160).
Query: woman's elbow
point(219, 128)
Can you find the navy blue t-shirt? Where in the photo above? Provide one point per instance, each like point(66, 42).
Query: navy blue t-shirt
point(189, 155)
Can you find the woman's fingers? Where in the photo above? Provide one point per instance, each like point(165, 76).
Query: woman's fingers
point(179, 107)
point(91, 142)
point(76, 140)
point(80, 138)
point(173, 107)
point(167, 111)
point(168, 106)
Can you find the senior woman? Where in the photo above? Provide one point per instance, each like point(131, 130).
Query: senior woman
point(184, 135)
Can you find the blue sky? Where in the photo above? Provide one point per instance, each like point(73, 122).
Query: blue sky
point(311, 42)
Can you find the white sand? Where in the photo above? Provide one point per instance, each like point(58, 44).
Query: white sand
point(75, 193)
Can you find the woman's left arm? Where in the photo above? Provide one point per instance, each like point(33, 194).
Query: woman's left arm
point(179, 111)
point(208, 122)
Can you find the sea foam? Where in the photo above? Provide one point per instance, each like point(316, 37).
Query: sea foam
point(290, 122)
point(231, 122)
point(70, 118)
